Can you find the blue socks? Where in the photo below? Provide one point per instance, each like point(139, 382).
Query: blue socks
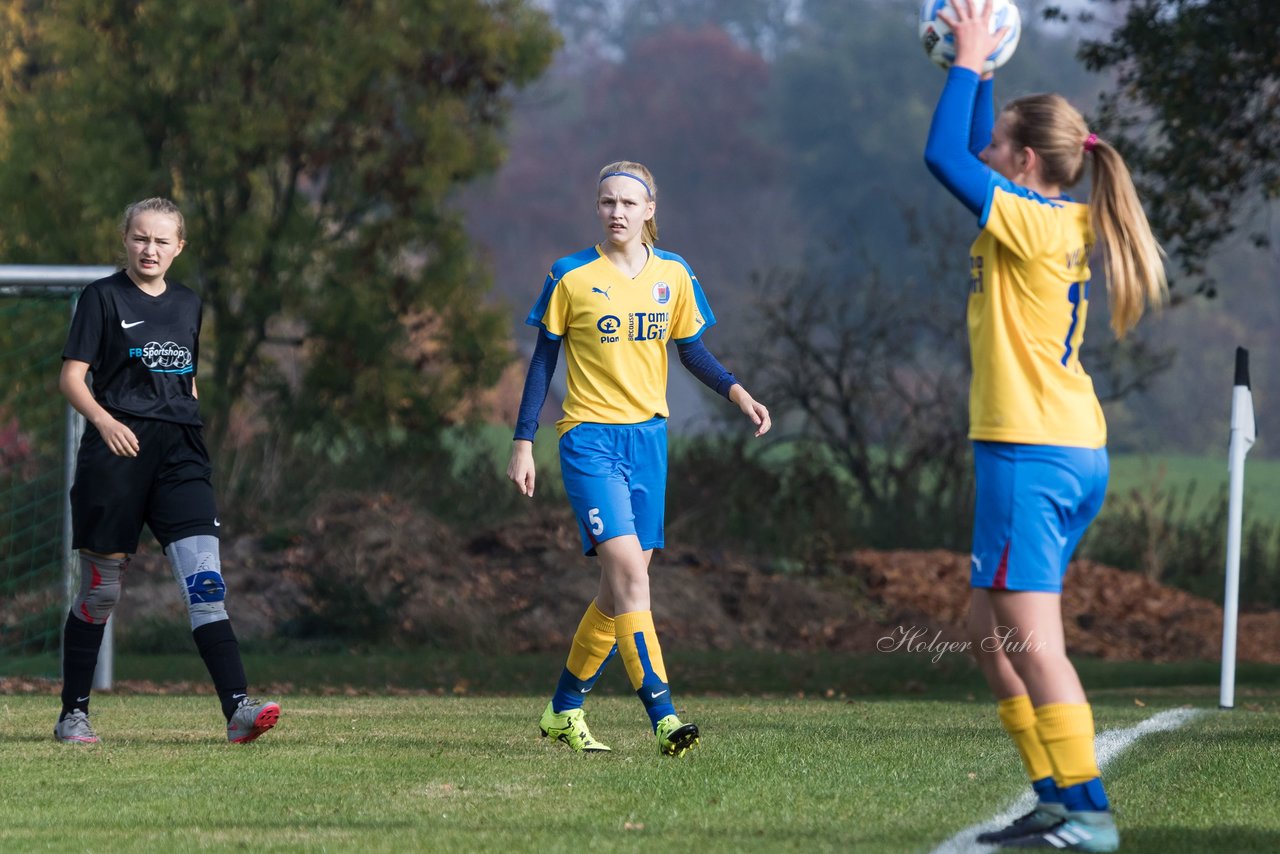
point(571, 691)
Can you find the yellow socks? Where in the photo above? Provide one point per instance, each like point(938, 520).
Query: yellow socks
point(593, 646)
point(642, 656)
point(639, 648)
point(1019, 720)
point(592, 643)
point(1066, 731)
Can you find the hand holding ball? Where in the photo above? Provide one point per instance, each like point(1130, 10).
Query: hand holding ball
point(940, 44)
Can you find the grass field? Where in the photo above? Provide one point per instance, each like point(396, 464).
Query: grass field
point(876, 771)
point(734, 673)
point(1175, 473)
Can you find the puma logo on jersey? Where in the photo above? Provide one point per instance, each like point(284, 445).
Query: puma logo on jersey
point(124, 325)
point(605, 292)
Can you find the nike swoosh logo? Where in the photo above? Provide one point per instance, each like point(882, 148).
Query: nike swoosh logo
point(583, 690)
point(82, 699)
point(124, 325)
point(217, 524)
point(658, 694)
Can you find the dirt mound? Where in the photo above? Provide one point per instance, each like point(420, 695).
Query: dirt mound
point(371, 569)
point(1107, 612)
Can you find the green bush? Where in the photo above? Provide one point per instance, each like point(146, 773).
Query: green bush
point(1173, 538)
point(791, 503)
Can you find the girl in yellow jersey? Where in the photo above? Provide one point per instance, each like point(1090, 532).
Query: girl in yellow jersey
point(615, 306)
point(1037, 428)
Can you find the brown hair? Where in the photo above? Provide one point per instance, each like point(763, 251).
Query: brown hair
point(155, 204)
point(641, 171)
point(1132, 259)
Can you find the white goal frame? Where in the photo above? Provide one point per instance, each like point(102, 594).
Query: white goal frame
point(65, 281)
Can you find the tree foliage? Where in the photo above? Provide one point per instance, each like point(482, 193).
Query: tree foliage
point(851, 101)
point(687, 103)
point(1196, 112)
point(314, 146)
point(612, 27)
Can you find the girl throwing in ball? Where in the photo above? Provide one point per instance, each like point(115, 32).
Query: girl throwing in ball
point(1038, 433)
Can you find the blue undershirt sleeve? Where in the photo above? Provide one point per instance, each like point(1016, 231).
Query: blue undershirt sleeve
point(947, 152)
point(698, 360)
point(984, 116)
point(542, 365)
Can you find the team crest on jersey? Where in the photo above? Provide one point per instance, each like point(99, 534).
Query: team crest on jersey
point(662, 293)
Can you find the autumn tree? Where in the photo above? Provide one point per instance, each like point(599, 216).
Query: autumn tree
point(314, 146)
point(690, 104)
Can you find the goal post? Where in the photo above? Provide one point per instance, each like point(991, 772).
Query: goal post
point(39, 437)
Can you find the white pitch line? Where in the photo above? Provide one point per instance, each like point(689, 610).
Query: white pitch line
point(1108, 745)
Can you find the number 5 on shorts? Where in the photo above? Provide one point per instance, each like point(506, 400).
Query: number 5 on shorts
point(597, 524)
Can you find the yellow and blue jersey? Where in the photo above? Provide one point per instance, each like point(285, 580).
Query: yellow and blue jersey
point(1028, 300)
point(615, 331)
point(1028, 287)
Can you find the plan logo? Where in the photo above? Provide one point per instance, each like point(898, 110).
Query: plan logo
point(608, 326)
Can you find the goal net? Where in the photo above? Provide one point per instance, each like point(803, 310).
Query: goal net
point(38, 436)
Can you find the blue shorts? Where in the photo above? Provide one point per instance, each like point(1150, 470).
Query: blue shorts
point(1034, 503)
point(616, 479)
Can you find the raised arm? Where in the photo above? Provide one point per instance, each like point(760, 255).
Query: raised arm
point(984, 116)
point(948, 151)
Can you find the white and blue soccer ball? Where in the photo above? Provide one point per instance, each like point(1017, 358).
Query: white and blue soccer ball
point(940, 43)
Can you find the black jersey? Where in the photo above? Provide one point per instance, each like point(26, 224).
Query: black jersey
point(143, 350)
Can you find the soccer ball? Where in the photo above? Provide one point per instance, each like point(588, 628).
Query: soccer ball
point(940, 44)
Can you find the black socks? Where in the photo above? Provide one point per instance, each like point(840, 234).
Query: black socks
point(221, 653)
point(80, 644)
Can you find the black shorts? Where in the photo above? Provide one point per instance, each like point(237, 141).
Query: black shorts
point(168, 487)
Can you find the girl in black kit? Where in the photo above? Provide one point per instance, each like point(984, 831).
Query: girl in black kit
point(143, 461)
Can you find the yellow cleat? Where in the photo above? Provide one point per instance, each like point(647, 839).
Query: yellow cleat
point(570, 728)
point(675, 738)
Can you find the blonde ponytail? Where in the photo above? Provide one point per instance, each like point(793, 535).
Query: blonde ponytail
point(1132, 259)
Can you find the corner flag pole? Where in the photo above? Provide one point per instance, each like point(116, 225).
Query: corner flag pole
point(1243, 434)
